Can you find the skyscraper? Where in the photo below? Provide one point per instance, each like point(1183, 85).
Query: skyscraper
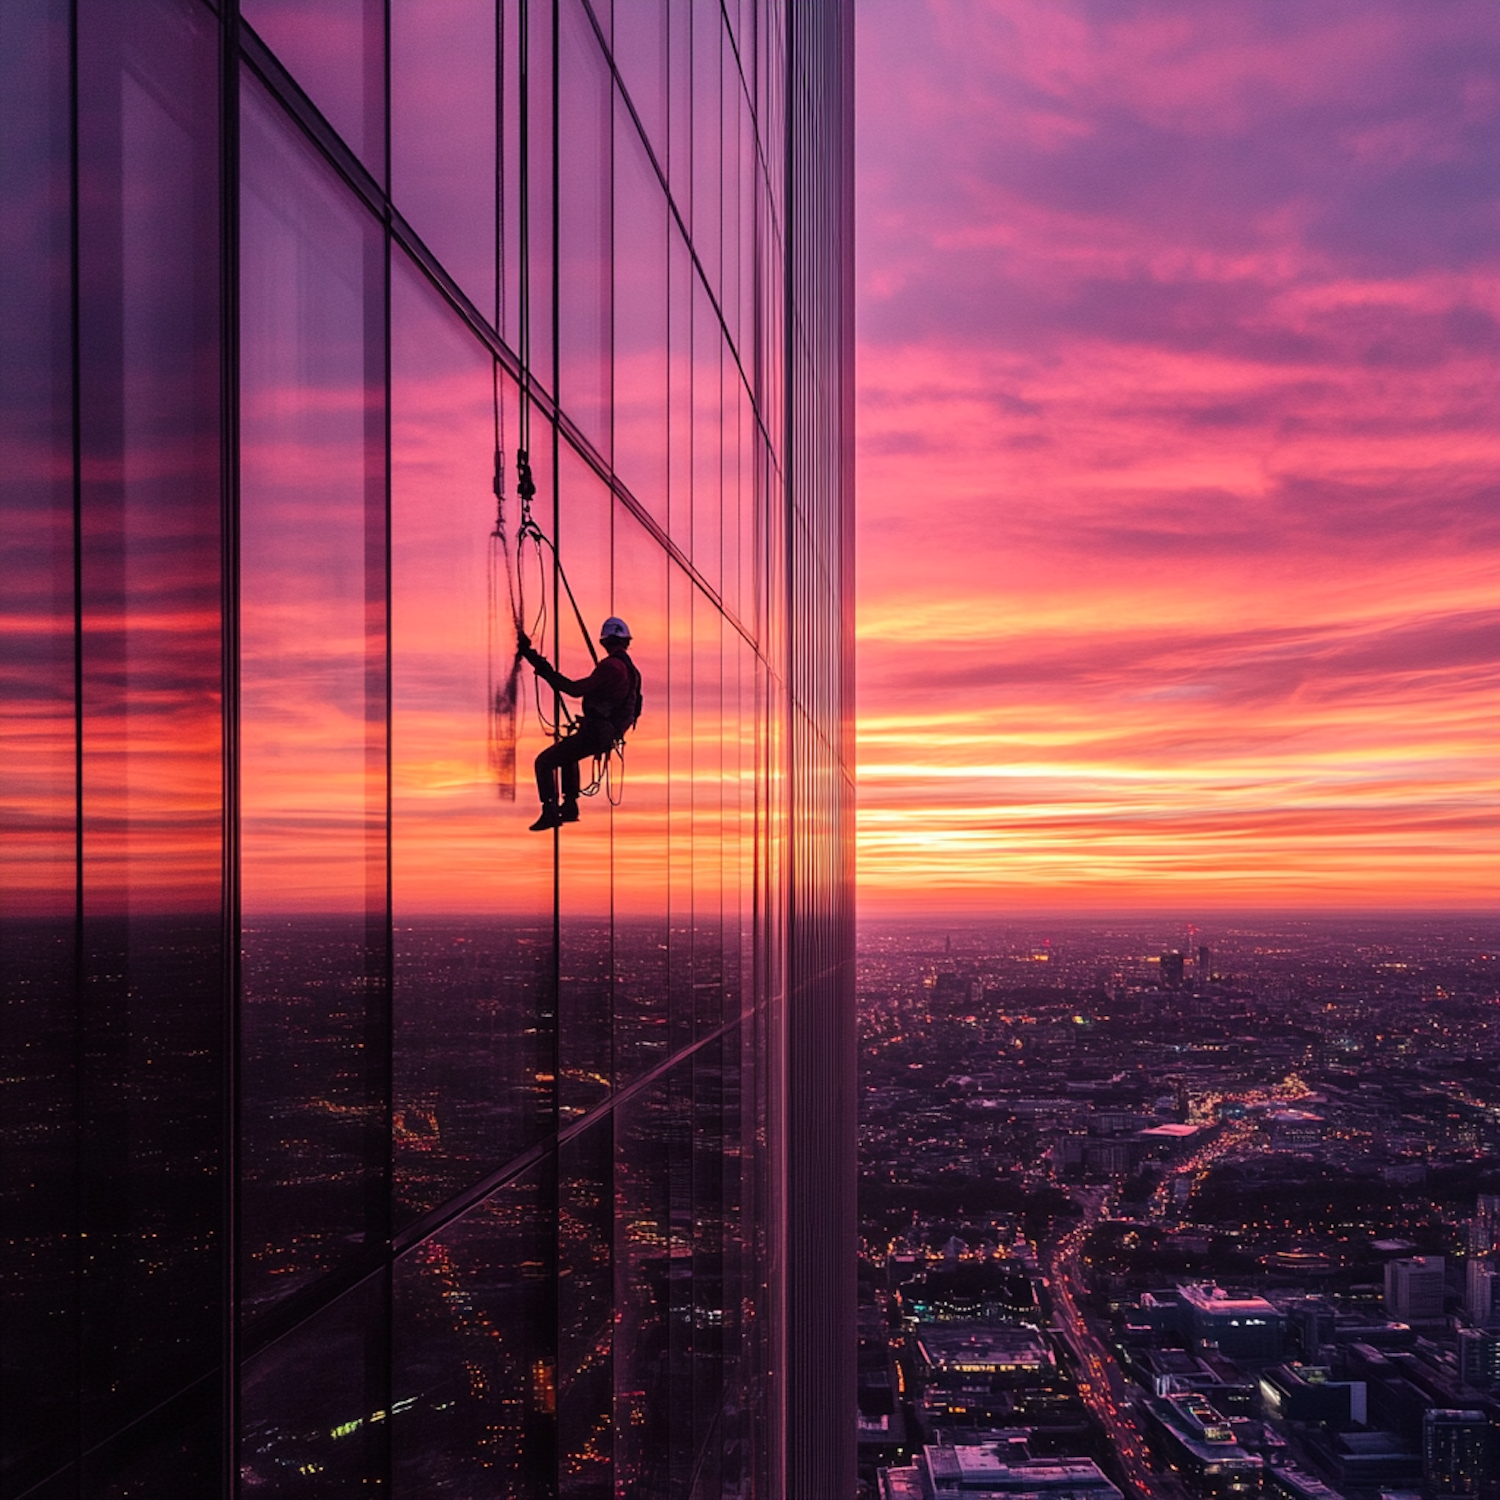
point(1414, 1288)
point(1484, 1227)
point(1481, 1284)
point(1455, 1451)
point(359, 1136)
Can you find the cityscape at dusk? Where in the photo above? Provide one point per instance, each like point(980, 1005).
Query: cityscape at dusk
point(1178, 981)
point(1206, 1210)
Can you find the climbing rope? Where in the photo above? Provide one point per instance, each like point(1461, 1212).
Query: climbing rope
point(507, 578)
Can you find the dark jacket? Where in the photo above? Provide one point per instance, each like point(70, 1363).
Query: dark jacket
point(611, 693)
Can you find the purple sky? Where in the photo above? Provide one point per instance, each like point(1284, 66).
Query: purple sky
point(1178, 443)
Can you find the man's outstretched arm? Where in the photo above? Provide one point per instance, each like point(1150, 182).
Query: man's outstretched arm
point(549, 674)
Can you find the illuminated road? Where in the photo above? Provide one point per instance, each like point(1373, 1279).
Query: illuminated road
point(1103, 1388)
point(1241, 1138)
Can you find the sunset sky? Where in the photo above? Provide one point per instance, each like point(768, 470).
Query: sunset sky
point(1177, 453)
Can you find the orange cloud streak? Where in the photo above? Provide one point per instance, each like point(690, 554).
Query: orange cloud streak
point(1178, 547)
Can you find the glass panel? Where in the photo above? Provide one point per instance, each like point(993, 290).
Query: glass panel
point(750, 208)
point(585, 1316)
point(38, 840)
point(653, 1315)
point(678, 434)
point(537, 107)
point(313, 713)
point(153, 961)
point(38, 875)
point(640, 330)
point(584, 1030)
point(472, 888)
point(443, 56)
point(707, 789)
point(640, 50)
point(585, 211)
point(735, 222)
point(740, 576)
point(708, 176)
point(316, 1408)
point(708, 440)
point(475, 1342)
point(176, 1449)
point(639, 853)
point(713, 1160)
point(335, 49)
point(677, 159)
point(680, 976)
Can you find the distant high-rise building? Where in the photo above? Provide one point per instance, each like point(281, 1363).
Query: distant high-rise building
point(356, 1138)
point(1456, 1451)
point(1414, 1288)
point(1311, 1322)
point(1482, 1291)
point(1479, 1357)
point(951, 994)
point(1205, 963)
point(1173, 968)
point(1484, 1227)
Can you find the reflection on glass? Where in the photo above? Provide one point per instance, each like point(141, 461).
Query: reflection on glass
point(677, 433)
point(335, 49)
point(584, 214)
point(584, 954)
point(640, 318)
point(318, 1410)
point(654, 1328)
point(443, 56)
point(426, 996)
point(312, 712)
point(709, 440)
point(38, 870)
point(639, 846)
point(471, 887)
point(474, 1351)
point(37, 772)
point(585, 1317)
point(707, 791)
point(149, 330)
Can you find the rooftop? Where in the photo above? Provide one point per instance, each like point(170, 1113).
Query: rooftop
point(980, 1469)
point(982, 1348)
point(1214, 1299)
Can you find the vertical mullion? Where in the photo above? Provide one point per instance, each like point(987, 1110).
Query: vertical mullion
point(553, 1186)
point(75, 292)
point(387, 1345)
point(229, 187)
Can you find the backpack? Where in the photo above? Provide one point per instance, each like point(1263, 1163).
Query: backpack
point(628, 714)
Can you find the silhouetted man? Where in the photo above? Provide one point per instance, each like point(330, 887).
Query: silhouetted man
point(611, 696)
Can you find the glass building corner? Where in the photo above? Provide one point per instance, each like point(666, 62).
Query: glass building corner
point(356, 1136)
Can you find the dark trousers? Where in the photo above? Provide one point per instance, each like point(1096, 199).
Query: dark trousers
point(590, 738)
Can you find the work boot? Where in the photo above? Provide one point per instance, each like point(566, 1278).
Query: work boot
point(550, 818)
point(568, 812)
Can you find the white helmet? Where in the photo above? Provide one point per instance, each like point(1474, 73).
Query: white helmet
point(614, 629)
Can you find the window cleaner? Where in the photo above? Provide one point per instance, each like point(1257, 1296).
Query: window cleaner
point(611, 696)
point(612, 692)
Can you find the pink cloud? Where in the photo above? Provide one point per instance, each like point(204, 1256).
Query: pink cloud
point(1177, 443)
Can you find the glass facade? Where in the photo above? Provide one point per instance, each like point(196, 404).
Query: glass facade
point(354, 1135)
